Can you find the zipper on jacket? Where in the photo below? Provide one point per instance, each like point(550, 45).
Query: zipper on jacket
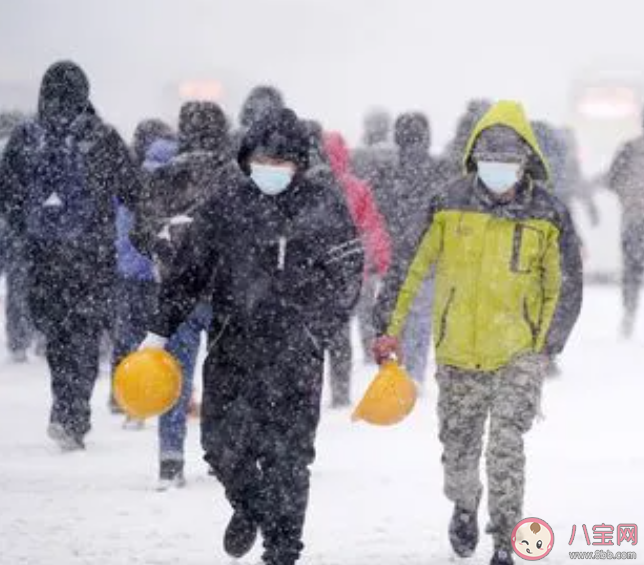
point(517, 238)
point(477, 290)
point(281, 253)
point(443, 328)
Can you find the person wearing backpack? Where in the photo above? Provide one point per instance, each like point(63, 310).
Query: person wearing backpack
point(60, 175)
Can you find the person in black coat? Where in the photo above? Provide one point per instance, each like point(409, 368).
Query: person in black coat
point(282, 264)
point(60, 176)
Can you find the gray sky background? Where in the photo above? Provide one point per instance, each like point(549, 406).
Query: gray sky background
point(332, 58)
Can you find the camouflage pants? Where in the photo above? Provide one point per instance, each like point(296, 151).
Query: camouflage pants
point(510, 397)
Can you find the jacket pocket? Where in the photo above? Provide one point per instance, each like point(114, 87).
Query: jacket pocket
point(442, 331)
point(526, 247)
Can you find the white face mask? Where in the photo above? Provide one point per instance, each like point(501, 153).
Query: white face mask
point(499, 177)
point(271, 179)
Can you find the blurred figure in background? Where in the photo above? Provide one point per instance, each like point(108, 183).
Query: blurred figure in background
point(376, 242)
point(136, 285)
point(15, 264)
point(202, 169)
point(419, 178)
point(375, 161)
point(453, 154)
point(60, 175)
point(261, 100)
point(626, 179)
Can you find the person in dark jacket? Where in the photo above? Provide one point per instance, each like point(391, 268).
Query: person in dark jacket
point(281, 262)
point(262, 100)
point(376, 160)
point(60, 175)
point(203, 168)
point(419, 178)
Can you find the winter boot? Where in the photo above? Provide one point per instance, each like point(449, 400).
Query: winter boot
point(241, 533)
point(464, 531)
point(502, 557)
point(65, 440)
point(171, 475)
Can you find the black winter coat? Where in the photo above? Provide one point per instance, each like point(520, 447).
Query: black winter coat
point(287, 264)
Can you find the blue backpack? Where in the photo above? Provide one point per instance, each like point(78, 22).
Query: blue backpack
point(60, 205)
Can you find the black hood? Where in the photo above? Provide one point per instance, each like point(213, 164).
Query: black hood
point(261, 101)
point(280, 135)
point(412, 131)
point(64, 94)
point(203, 126)
point(145, 134)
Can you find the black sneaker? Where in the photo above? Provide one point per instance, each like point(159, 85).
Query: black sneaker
point(502, 557)
point(464, 531)
point(171, 475)
point(241, 534)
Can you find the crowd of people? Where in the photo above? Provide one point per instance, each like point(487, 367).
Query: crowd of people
point(270, 237)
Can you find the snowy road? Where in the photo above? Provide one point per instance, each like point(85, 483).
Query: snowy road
point(376, 497)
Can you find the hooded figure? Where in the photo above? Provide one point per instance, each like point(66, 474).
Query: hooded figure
point(376, 161)
point(60, 176)
point(278, 259)
point(146, 133)
point(261, 101)
point(508, 293)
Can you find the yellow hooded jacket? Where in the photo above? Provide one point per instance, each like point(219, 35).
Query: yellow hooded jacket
point(508, 276)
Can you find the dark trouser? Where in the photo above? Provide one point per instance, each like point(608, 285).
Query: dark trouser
point(633, 258)
point(340, 365)
point(134, 309)
point(261, 408)
point(20, 331)
point(72, 354)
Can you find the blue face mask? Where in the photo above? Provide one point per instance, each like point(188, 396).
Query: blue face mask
point(271, 179)
point(499, 177)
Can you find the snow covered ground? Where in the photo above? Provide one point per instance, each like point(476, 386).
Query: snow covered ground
point(377, 494)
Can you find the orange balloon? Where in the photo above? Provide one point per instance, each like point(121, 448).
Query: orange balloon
point(390, 398)
point(147, 383)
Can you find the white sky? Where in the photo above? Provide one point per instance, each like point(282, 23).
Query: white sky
point(332, 58)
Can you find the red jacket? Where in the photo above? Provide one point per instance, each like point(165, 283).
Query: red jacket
point(362, 206)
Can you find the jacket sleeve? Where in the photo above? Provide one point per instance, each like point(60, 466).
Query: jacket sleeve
point(189, 274)
point(333, 288)
point(122, 174)
point(405, 279)
point(618, 175)
point(374, 233)
point(562, 287)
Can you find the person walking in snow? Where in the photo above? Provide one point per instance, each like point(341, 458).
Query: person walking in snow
point(508, 293)
point(377, 247)
point(626, 180)
point(202, 168)
point(280, 262)
point(60, 175)
point(419, 178)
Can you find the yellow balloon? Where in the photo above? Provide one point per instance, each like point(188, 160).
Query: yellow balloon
point(389, 399)
point(147, 383)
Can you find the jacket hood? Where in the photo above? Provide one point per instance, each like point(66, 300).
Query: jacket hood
point(280, 135)
point(338, 153)
point(412, 131)
point(145, 134)
point(203, 126)
point(377, 127)
point(511, 115)
point(64, 93)
point(260, 101)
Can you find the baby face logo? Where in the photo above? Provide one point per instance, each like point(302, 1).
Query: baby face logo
point(532, 539)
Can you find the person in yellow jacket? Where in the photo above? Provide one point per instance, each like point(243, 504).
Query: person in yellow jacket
point(508, 293)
